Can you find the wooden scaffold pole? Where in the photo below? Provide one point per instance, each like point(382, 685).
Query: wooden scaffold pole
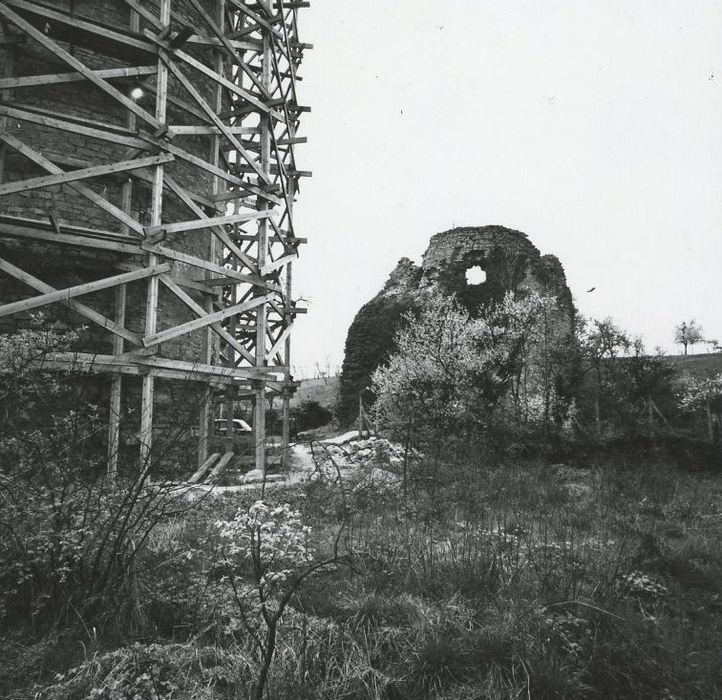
point(204, 426)
point(121, 299)
point(156, 212)
point(262, 246)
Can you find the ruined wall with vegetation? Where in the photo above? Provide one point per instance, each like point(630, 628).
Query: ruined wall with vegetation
point(509, 261)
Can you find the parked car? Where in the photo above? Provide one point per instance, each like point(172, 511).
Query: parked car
point(239, 426)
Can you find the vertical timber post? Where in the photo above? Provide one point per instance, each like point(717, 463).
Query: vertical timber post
point(116, 386)
point(597, 418)
point(233, 292)
point(6, 95)
point(710, 423)
point(286, 397)
point(230, 390)
point(206, 398)
point(151, 311)
point(259, 414)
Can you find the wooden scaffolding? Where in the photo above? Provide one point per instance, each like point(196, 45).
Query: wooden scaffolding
point(200, 92)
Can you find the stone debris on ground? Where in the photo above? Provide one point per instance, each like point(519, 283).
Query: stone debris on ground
point(362, 461)
point(360, 450)
point(255, 476)
point(342, 439)
point(347, 456)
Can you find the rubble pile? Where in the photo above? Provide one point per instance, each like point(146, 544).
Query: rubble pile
point(355, 459)
point(378, 451)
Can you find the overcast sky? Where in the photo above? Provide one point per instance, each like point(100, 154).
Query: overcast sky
point(594, 127)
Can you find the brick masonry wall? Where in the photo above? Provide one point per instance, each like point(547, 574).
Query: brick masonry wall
point(63, 266)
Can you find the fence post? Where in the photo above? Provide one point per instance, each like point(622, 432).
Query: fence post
point(710, 427)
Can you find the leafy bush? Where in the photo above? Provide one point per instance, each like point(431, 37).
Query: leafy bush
point(69, 535)
point(310, 414)
point(153, 672)
point(454, 377)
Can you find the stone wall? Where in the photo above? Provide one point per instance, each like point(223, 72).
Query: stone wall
point(511, 263)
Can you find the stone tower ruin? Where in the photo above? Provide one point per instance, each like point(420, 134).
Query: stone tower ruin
point(507, 261)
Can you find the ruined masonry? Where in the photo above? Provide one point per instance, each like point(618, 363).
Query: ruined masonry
point(508, 260)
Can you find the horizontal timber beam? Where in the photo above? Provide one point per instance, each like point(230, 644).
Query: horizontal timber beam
point(84, 174)
point(184, 226)
point(80, 290)
point(97, 240)
point(56, 120)
point(159, 367)
point(57, 78)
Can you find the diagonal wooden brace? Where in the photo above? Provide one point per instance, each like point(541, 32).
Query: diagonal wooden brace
point(82, 309)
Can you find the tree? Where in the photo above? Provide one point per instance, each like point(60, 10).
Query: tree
point(647, 376)
point(604, 340)
point(310, 414)
point(688, 334)
point(601, 344)
point(451, 372)
point(625, 378)
point(425, 388)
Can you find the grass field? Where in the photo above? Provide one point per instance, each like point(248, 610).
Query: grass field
point(487, 581)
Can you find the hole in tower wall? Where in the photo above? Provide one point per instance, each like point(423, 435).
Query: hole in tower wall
point(475, 275)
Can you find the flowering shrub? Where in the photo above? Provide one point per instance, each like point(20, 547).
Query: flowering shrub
point(568, 632)
point(268, 557)
point(273, 540)
point(641, 585)
point(695, 393)
point(451, 369)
